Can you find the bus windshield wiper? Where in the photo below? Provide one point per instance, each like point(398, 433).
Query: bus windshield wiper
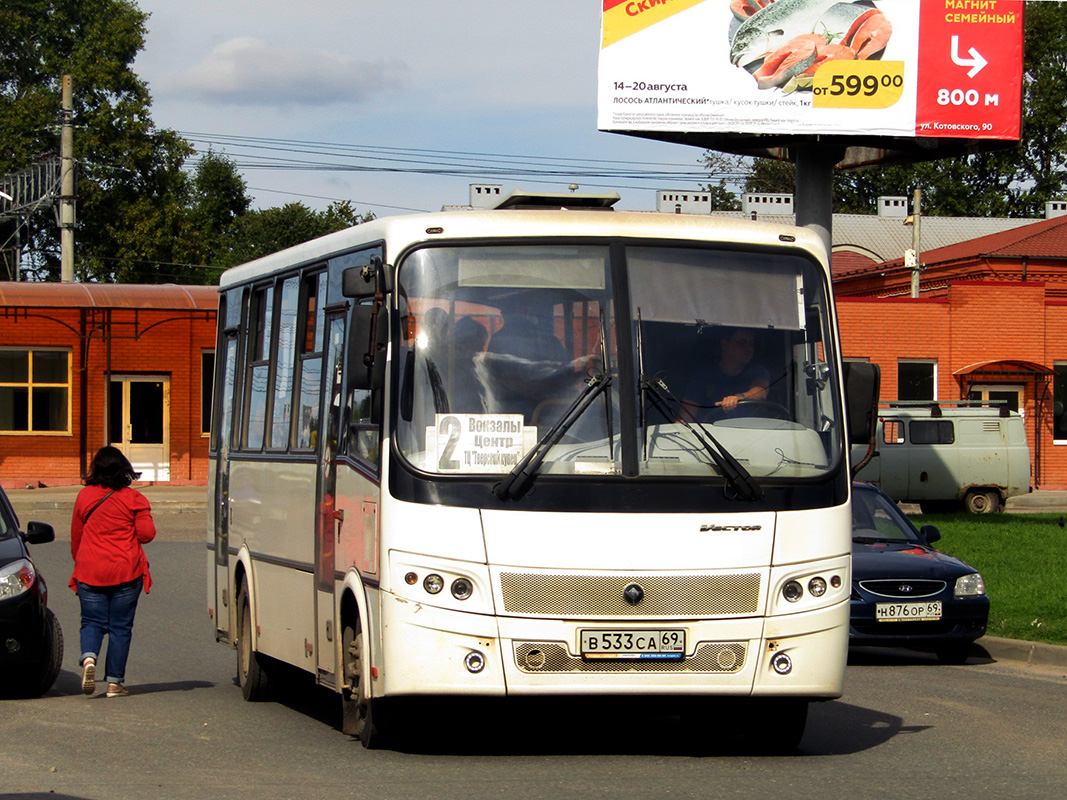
point(736, 476)
point(729, 467)
point(517, 482)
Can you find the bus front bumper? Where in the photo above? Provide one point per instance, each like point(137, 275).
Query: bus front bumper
point(434, 651)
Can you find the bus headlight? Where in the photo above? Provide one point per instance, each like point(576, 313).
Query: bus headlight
point(433, 583)
point(462, 588)
point(792, 591)
point(817, 586)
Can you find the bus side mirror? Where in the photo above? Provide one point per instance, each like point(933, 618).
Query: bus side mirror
point(366, 351)
point(862, 386)
point(365, 281)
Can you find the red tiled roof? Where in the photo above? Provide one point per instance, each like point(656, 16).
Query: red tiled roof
point(1046, 238)
point(846, 262)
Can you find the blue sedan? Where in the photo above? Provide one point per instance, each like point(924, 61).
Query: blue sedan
point(905, 593)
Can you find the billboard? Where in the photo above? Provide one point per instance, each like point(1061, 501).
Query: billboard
point(884, 73)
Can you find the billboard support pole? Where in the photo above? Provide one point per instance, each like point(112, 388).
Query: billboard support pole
point(815, 188)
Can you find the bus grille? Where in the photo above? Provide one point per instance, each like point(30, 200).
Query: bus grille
point(675, 596)
point(542, 657)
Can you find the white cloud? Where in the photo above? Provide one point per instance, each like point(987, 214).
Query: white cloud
point(249, 71)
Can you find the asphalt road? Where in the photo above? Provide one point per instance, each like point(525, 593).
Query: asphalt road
point(906, 727)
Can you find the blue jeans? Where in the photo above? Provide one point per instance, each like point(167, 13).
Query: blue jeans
point(110, 610)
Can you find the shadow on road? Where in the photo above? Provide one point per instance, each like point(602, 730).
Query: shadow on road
point(70, 683)
point(595, 726)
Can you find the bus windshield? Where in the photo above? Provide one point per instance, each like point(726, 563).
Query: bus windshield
point(641, 360)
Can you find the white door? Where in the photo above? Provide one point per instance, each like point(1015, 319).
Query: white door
point(139, 422)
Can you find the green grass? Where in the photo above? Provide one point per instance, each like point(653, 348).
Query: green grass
point(1023, 559)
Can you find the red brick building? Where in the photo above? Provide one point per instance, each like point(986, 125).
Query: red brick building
point(990, 322)
point(83, 365)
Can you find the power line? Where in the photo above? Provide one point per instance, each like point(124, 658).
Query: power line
point(260, 153)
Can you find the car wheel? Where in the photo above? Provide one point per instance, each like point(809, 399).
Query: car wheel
point(982, 501)
point(360, 715)
point(37, 678)
point(251, 675)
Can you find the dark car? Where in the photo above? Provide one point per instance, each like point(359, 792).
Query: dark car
point(31, 641)
point(904, 592)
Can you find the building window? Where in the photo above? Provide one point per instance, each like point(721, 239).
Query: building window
point(34, 391)
point(1059, 397)
point(207, 381)
point(916, 380)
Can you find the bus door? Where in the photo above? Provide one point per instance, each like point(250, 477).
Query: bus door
point(227, 373)
point(329, 519)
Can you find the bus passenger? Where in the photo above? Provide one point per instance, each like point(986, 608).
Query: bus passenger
point(525, 361)
point(465, 379)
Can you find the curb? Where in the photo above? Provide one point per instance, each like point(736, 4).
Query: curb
point(1030, 653)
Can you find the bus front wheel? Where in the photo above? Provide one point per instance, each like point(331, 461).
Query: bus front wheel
point(251, 675)
point(360, 714)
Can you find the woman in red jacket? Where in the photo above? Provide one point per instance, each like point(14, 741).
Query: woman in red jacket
point(111, 521)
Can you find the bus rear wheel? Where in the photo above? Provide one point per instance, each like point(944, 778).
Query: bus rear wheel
point(982, 501)
point(360, 714)
point(251, 675)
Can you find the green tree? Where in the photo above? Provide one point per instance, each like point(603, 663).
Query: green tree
point(259, 233)
point(725, 171)
point(1013, 182)
point(129, 173)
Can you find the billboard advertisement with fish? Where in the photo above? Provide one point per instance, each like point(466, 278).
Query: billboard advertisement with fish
point(870, 68)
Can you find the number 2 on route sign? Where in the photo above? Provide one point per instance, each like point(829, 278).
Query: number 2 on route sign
point(858, 84)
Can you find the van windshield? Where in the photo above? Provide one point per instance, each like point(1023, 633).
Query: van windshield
point(637, 361)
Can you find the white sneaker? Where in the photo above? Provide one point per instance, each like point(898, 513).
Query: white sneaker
point(89, 676)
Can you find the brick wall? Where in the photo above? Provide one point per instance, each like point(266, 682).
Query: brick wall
point(976, 322)
point(164, 343)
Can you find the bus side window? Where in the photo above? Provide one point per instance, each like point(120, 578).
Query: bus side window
point(259, 354)
point(308, 390)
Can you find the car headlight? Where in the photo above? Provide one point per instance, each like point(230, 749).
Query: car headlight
point(16, 578)
point(970, 586)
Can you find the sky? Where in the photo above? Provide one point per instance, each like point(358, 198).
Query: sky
point(418, 85)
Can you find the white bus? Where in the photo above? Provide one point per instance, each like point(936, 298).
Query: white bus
point(477, 453)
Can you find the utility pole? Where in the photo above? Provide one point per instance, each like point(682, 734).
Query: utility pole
point(916, 266)
point(66, 198)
